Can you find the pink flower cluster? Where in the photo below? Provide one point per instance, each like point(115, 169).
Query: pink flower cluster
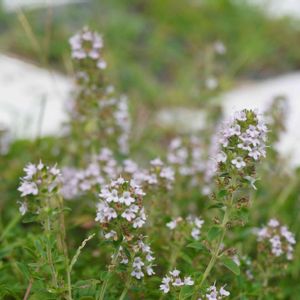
point(277, 239)
point(173, 281)
point(87, 45)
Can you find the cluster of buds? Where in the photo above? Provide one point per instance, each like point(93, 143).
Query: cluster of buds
point(277, 240)
point(173, 281)
point(192, 224)
point(87, 45)
point(212, 293)
point(39, 180)
point(142, 262)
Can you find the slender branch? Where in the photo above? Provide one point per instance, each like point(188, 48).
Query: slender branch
point(105, 283)
point(28, 290)
point(48, 249)
point(216, 251)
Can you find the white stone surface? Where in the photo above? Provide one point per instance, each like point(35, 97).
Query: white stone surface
point(25, 92)
point(24, 87)
point(279, 8)
point(13, 5)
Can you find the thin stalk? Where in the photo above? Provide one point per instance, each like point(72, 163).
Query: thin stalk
point(106, 281)
point(173, 259)
point(49, 253)
point(216, 251)
point(69, 284)
point(63, 245)
point(124, 293)
point(28, 290)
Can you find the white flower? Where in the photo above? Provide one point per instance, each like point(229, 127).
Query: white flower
point(111, 234)
point(110, 213)
point(175, 273)
point(240, 115)
point(223, 292)
point(126, 198)
point(138, 263)
point(28, 188)
point(165, 286)
point(195, 233)
point(124, 260)
point(167, 173)
point(198, 222)
point(279, 237)
point(112, 196)
point(150, 271)
point(188, 281)
point(255, 154)
point(149, 257)
point(238, 162)
point(23, 208)
point(221, 157)
point(172, 224)
point(30, 170)
point(137, 273)
point(54, 171)
point(128, 215)
point(177, 282)
point(138, 222)
point(156, 162)
point(273, 223)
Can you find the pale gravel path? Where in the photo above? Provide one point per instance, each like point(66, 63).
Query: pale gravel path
point(23, 90)
point(13, 5)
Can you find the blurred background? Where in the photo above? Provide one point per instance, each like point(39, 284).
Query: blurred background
point(172, 58)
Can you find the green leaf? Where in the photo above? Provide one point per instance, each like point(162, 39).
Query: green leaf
point(216, 205)
point(186, 292)
point(213, 233)
point(222, 193)
point(103, 275)
point(196, 245)
point(186, 258)
point(231, 265)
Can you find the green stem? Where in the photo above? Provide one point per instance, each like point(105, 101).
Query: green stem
point(63, 245)
point(124, 293)
point(49, 253)
point(69, 284)
point(108, 276)
point(216, 251)
point(173, 259)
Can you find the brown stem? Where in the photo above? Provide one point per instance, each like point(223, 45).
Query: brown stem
point(28, 290)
